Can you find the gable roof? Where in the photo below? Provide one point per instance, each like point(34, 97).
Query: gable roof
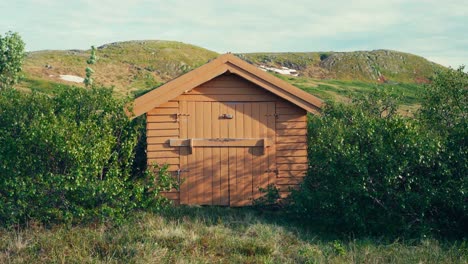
point(222, 64)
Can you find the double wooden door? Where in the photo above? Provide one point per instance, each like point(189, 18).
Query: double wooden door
point(238, 156)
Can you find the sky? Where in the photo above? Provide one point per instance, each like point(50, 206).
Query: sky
point(434, 29)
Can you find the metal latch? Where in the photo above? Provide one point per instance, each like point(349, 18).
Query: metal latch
point(179, 171)
point(227, 116)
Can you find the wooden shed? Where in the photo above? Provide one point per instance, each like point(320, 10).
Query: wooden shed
point(227, 129)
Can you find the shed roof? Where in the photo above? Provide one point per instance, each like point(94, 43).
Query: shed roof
point(222, 64)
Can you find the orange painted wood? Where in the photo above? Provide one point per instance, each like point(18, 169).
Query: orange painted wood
point(158, 147)
point(199, 154)
point(290, 132)
point(226, 98)
point(294, 152)
point(190, 180)
point(291, 139)
point(256, 152)
point(285, 104)
point(157, 140)
point(216, 155)
point(217, 67)
point(156, 126)
point(247, 181)
point(292, 118)
point(292, 167)
point(170, 161)
point(162, 133)
point(263, 159)
point(170, 104)
point(275, 86)
point(163, 111)
point(236, 196)
point(289, 181)
point(162, 119)
point(292, 125)
point(163, 154)
point(208, 159)
point(292, 174)
point(228, 91)
point(291, 111)
point(271, 133)
point(221, 142)
point(302, 159)
point(224, 158)
point(228, 81)
point(232, 161)
point(291, 146)
point(183, 153)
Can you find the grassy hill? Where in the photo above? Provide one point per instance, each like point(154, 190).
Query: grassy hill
point(134, 66)
point(128, 66)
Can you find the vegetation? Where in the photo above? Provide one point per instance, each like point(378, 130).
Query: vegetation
point(74, 186)
point(88, 80)
point(70, 158)
point(213, 235)
point(373, 171)
point(377, 66)
point(136, 66)
point(127, 66)
point(11, 59)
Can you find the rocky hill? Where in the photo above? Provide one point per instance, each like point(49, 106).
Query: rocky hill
point(368, 66)
point(141, 65)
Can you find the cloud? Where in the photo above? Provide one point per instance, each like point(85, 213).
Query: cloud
point(436, 29)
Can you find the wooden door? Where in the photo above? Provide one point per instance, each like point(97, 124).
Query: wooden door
point(226, 174)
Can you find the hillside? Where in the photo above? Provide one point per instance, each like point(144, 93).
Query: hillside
point(128, 66)
point(369, 66)
point(135, 66)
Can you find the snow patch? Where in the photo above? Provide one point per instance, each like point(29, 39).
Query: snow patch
point(282, 70)
point(72, 78)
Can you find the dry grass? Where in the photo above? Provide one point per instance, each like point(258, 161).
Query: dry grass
point(211, 235)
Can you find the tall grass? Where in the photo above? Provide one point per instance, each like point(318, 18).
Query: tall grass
point(207, 235)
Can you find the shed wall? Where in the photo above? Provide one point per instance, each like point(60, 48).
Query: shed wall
point(290, 137)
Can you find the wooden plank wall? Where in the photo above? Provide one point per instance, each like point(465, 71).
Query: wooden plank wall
point(290, 126)
point(162, 124)
point(291, 146)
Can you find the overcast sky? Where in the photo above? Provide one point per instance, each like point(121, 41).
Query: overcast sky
point(435, 29)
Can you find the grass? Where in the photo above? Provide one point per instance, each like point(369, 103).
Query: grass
point(40, 85)
point(128, 66)
point(212, 235)
point(343, 91)
point(135, 66)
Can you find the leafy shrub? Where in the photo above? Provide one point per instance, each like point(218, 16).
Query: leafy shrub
point(70, 158)
point(375, 172)
point(269, 199)
point(11, 59)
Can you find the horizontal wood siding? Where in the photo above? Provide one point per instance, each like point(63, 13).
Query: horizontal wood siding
point(291, 145)
point(162, 124)
point(290, 125)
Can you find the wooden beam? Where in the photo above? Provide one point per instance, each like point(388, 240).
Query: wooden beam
point(220, 142)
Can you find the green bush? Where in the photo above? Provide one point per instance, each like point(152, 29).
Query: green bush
point(375, 172)
point(70, 158)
